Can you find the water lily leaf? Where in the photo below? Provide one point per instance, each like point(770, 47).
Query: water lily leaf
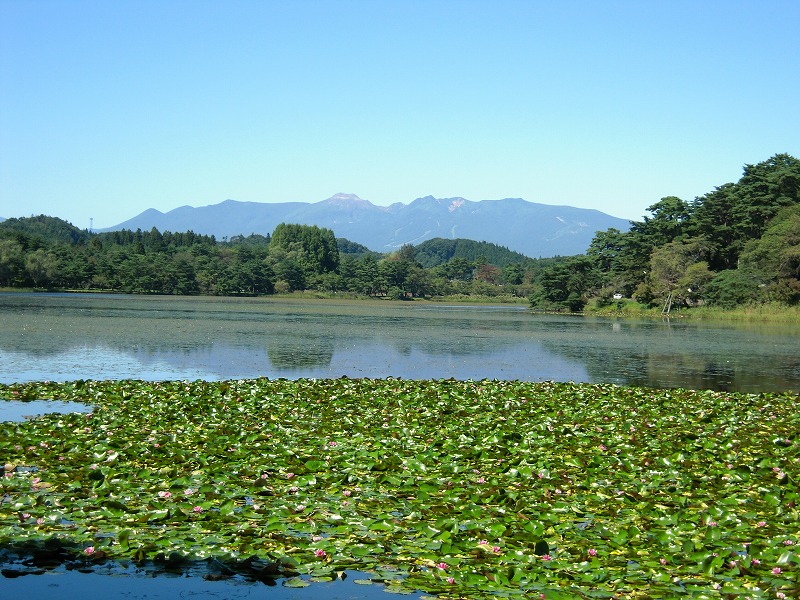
point(295, 582)
point(316, 466)
point(381, 526)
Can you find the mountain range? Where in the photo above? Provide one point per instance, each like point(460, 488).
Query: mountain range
point(536, 230)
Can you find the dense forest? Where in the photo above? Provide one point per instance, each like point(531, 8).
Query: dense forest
point(738, 244)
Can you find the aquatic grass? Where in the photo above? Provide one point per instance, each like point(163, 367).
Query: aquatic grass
point(457, 488)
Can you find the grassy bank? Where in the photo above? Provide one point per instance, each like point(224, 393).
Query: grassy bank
point(461, 489)
point(770, 313)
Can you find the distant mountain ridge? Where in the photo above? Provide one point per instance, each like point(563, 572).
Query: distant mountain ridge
point(535, 230)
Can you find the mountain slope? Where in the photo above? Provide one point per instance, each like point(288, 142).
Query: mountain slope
point(536, 230)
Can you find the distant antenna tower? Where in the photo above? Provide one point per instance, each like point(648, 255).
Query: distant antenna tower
point(91, 223)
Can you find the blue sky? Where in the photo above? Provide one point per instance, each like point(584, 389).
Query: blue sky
point(110, 108)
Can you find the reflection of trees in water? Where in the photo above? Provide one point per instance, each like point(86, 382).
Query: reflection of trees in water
point(49, 346)
point(291, 354)
point(455, 337)
point(464, 346)
point(649, 365)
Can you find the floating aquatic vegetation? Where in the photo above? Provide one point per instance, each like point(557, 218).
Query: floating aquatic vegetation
point(458, 488)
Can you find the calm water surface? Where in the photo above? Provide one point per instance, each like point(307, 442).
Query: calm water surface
point(66, 337)
point(138, 584)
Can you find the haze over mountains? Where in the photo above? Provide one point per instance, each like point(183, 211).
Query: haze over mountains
point(536, 230)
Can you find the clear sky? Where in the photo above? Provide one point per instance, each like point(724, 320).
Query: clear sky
point(108, 108)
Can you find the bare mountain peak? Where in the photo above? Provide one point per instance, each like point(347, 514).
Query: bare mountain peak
point(342, 198)
point(455, 204)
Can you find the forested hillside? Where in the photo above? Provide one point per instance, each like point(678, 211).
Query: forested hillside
point(438, 251)
point(736, 245)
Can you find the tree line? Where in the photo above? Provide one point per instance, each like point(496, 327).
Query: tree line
point(736, 245)
point(45, 252)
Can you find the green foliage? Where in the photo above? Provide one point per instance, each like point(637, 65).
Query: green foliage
point(776, 256)
point(48, 229)
point(347, 247)
point(567, 285)
point(732, 288)
point(12, 263)
point(677, 271)
point(748, 224)
point(312, 248)
point(438, 251)
point(734, 214)
point(254, 239)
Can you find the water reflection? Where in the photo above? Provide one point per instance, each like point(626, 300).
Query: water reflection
point(296, 355)
point(63, 337)
point(18, 410)
point(691, 355)
point(136, 583)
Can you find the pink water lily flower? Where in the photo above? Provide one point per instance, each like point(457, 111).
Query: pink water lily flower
point(89, 550)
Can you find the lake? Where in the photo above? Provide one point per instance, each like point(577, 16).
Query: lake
point(63, 337)
point(78, 336)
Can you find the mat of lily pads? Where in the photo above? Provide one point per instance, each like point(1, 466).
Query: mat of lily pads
point(461, 489)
